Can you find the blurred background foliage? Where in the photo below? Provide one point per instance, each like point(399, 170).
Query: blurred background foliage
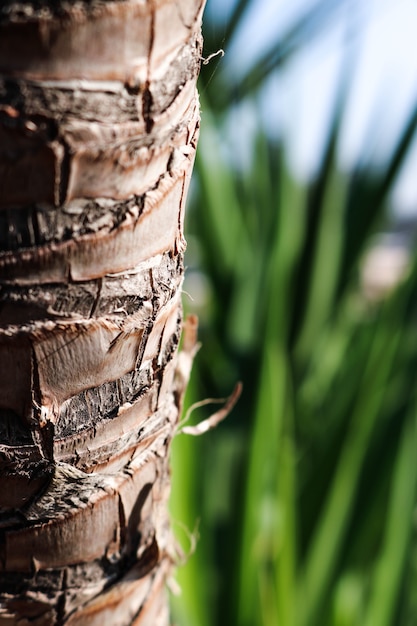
point(304, 499)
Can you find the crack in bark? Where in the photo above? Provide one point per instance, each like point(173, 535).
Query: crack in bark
point(64, 171)
point(42, 429)
point(147, 99)
point(94, 306)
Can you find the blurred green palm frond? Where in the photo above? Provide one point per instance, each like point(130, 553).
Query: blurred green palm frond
point(306, 495)
point(232, 87)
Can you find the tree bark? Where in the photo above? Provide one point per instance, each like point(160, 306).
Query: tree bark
point(99, 122)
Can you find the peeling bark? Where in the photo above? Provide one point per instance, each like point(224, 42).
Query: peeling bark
point(99, 123)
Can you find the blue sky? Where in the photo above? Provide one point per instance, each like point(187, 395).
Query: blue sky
point(379, 37)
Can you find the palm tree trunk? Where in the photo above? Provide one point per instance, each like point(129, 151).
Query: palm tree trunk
point(98, 128)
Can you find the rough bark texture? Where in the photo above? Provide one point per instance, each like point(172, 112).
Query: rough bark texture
point(98, 128)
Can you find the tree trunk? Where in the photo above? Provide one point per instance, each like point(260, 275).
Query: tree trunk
point(98, 128)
